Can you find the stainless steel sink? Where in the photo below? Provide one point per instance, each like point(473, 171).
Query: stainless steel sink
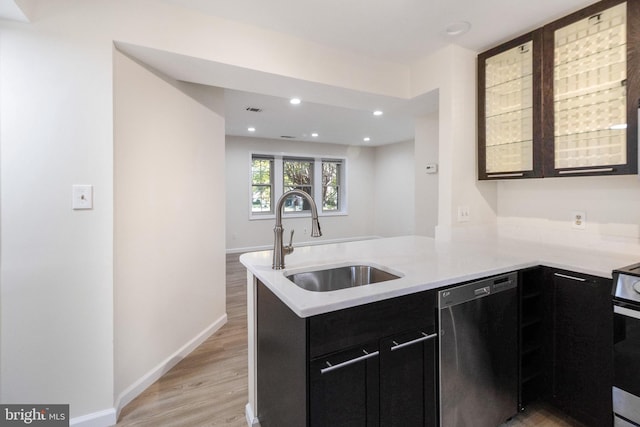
point(340, 278)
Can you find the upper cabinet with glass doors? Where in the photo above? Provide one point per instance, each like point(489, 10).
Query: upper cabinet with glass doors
point(509, 109)
point(591, 89)
point(577, 113)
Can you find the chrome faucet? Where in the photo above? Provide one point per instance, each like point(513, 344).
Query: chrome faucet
point(279, 250)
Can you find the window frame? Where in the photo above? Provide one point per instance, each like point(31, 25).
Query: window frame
point(339, 184)
point(278, 184)
point(271, 185)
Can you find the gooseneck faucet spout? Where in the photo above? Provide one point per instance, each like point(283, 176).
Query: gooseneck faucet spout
point(279, 250)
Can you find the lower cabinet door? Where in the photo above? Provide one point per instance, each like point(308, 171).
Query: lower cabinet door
point(583, 342)
point(344, 389)
point(408, 380)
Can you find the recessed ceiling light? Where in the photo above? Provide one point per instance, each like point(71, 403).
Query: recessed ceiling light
point(315, 135)
point(366, 139)
point(251, 129)
point(377, 113)
point(295, 101)
point(458, 28)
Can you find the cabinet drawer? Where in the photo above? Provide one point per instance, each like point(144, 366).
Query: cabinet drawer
point(355, 326)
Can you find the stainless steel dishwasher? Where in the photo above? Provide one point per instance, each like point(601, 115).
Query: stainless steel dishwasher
point(479, 352)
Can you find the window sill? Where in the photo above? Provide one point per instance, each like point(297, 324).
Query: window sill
point(272, 217)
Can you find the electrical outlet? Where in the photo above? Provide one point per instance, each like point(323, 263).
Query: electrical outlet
point(464, 214)
point(579, 220)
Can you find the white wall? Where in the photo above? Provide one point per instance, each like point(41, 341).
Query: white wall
point(245, 234)
point(452, 71)
point(394, 190)
point(541, 209)
point(56, 129)
point(426, 185)
point(536, 209)
point(56, 301)
point(169, 221)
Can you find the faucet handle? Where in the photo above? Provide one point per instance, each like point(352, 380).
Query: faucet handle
point(289, 248)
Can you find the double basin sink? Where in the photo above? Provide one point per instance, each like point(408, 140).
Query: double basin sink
point(332, 279)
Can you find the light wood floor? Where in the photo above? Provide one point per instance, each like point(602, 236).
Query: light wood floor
point(209, 387)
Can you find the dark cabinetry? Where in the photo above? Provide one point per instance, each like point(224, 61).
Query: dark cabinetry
point(408, 380)
point(281, 363)
point(591, 89)
point(535, 337)
point(562, 100)
point(344, 388)
point(566, 337)
point(510, 109)
point(583, 346)
point(371, 365)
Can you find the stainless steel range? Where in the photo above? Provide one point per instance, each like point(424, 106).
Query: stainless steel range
point(626, 309)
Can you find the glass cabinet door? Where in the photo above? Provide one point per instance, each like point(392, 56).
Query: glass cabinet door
point(509, 107)
point(589, 128)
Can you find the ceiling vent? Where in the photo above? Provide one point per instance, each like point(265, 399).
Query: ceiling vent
point(287, 136)
point(254, 109)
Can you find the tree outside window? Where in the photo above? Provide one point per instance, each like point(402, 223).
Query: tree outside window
point(261, 185)
point(298, 175)
point(331, 185)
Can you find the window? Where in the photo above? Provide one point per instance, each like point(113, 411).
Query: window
point(274, 175)
point(297, 175)
point(331, 185)
point(261, 185)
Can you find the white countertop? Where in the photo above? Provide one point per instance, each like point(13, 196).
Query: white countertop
point(423, 263)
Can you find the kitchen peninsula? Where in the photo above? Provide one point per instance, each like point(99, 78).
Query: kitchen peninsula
point(423, 265)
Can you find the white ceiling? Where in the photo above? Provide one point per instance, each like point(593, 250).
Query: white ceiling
point(399, 31)
point(393, 30)
point(333, 124)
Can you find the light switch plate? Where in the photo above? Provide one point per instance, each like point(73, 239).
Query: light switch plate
point(82, 196)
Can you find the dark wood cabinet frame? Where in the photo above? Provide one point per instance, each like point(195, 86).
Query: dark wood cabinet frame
point(632, 86)
point(543, 99)
point(536, 37)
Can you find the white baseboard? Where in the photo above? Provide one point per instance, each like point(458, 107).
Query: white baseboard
point(252, 421)
point(135, 389)
point(104, 418)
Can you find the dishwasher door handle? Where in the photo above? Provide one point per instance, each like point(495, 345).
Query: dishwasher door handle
point(482, 291)
point(424, 337)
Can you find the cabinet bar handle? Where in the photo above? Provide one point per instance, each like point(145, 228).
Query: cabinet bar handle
point(505, 175)
point(579, 279)
point(425, 337)
point(349, 362)
point(586, 171)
